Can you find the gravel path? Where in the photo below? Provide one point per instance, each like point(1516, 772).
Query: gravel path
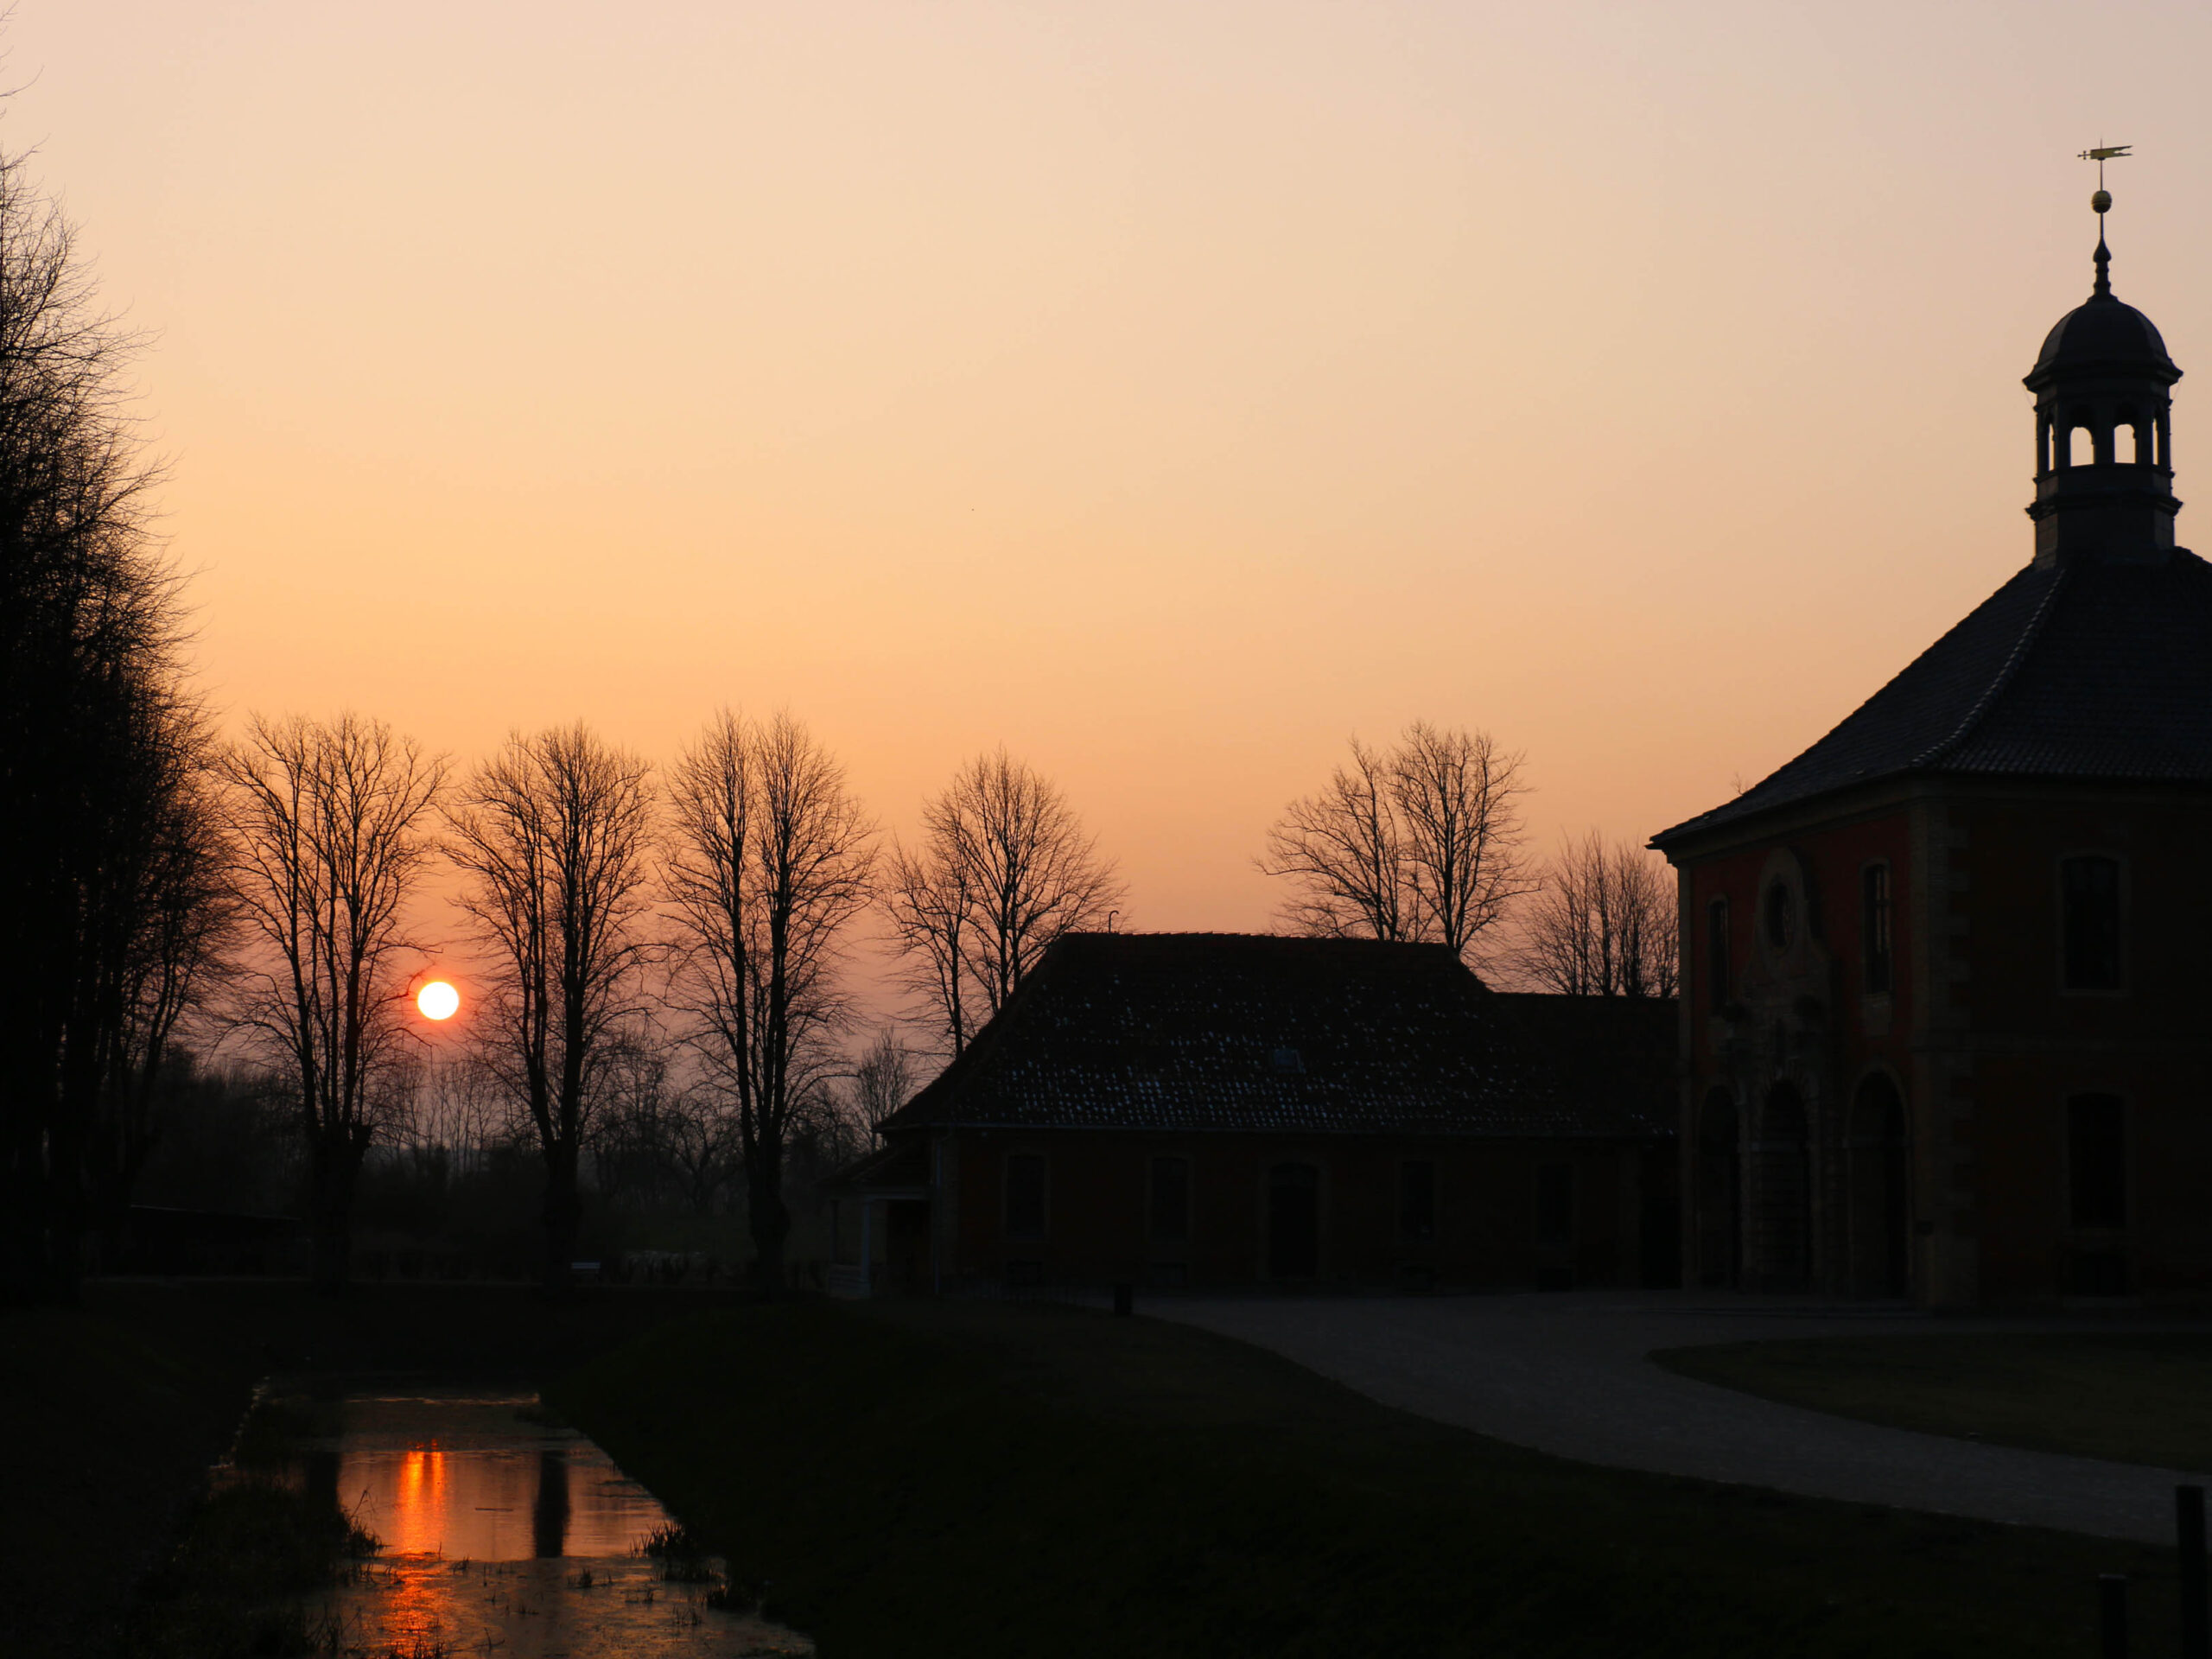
point(1570, 1375)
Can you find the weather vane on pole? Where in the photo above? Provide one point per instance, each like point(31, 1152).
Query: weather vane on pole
point(2100, 154)
point(2103, 201)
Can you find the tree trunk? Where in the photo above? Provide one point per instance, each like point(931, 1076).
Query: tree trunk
point(770, 1222)
point(330, 1220)
point(563, 1217)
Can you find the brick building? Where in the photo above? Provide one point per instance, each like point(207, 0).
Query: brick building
point(1173, 1109)
point(1947, 1006)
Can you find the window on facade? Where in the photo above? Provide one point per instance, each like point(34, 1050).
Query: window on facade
point(1554, 1204)
point(1780, 916)
point(1417, 1201)
point(2089, 900)
point(1716, 953)
point(2096, 1160)
point(1170, 1219)
point(1874, 925)
point(1025, 1195)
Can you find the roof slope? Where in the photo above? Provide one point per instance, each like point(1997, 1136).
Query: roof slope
point(2092, 669)
point(1210, 1031)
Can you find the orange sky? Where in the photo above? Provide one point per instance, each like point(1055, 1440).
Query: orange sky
point(1167, 391)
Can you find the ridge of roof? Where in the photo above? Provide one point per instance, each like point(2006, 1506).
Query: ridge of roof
point(2006, 672)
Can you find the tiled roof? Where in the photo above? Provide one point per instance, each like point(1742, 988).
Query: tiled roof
point(2089, 669)
point(1618, 1054)
point(1211, 1031)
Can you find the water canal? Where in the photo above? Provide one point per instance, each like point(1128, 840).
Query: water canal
point(501, 1531)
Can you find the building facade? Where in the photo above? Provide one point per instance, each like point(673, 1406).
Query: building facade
point(1172, 1110)
point(1947, 1009)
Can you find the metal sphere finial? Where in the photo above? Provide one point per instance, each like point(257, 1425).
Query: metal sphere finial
point(2102, 202)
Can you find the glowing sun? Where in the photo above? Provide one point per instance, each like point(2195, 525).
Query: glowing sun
point(438, 1000)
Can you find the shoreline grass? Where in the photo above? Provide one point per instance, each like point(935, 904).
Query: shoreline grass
point(980, 1479)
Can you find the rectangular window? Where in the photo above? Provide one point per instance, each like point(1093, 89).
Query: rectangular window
point(2096, 1160)
point(2089, 898)
point(1170, 1215)
point(1417, 1201)
point(1554, 1204)
point(1025, 1195)
point(1716, 953)
point(1874, 925)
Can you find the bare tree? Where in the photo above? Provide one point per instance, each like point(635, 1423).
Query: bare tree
point(91, 701)
point(769, 859)
point(1004, 868)
point(331, 819)
point(883, 1080)
point(555, 834)
point(1344, 849)
point(1603, 923)
point(173, 905)
point(1422, 842)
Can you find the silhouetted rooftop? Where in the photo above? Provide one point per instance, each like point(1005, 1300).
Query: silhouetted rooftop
point(2085, 670)
point(1195, 1032)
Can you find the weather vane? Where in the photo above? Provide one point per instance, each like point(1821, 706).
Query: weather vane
point(2100, 154)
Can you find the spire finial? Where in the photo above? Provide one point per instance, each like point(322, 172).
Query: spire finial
point(2102, 202)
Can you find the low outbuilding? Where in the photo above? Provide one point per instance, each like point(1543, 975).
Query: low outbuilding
point(1177, 1111)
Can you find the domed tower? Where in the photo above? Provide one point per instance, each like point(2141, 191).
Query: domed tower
point(1943, 974)
point(2104, 436)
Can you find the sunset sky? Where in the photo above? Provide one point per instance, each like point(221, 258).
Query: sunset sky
point(1169, 391)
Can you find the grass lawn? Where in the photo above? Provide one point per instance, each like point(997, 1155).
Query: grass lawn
point(2138, 1398)
point(984, 1479)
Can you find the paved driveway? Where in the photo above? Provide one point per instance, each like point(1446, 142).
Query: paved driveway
point(1569, 1374)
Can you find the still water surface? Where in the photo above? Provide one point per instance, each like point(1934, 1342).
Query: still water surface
point(503, 1532)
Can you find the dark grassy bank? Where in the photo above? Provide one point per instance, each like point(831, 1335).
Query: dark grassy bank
point(114, 1412)
point(985, 1480)
point(2137, 1397)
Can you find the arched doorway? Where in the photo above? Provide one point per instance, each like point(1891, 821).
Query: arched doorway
point(1782, 1157)
point(1719, 1191)
point(1881, 1192)
point(1294, 1221)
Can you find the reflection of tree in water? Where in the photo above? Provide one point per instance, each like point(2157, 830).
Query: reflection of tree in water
point(549, 1517)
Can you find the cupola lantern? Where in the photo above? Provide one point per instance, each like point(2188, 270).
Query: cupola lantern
point(2104, 431)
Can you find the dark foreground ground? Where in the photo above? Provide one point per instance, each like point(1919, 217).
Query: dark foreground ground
point(981, 1479)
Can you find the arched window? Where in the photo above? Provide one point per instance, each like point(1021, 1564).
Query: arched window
point(2137, 452)
point(2081, 447)
point(1780, 916)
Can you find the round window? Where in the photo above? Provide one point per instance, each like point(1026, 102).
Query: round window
point(1780, 916)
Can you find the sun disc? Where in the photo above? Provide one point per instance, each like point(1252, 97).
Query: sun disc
point(438, 1000)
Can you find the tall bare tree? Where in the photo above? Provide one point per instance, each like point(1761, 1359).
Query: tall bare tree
point(1423, 841)
point(91, 701)
point(769, 859)
point(332, 819)
point(1003, 867)
point(554, 835)
point(1603, 923)
point(171, 875)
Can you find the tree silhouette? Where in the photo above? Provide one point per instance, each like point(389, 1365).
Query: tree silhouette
point(333, 820)
point(1422, 841)
point(1003, 868)
point(769, 859)
point(555, 836)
